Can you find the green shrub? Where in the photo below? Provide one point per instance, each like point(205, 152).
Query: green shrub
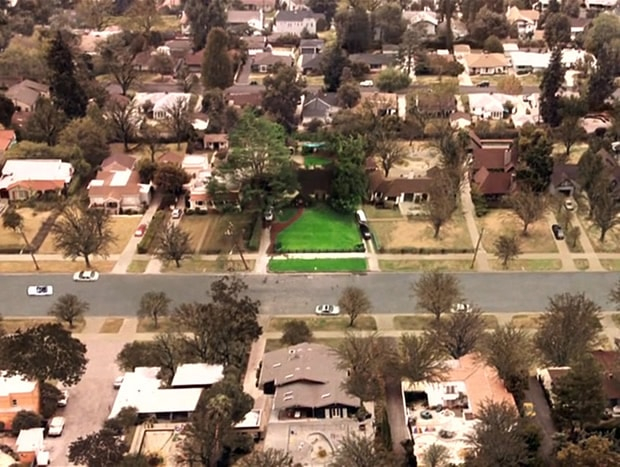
point(254, 241)
point(151, 233)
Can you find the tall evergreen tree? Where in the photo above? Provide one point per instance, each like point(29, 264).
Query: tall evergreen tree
point(67, 93)
point(552, 80)
point(332, 63)
point(203, 16)
point(217, 69)
point(601, 83)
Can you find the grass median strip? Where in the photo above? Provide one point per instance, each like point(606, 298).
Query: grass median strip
point(137, 266)
point(111, 326)
point(11, 325)
point(529, 265)
point(528, 321)
point(421, 321)
point(335, 323)
point(191, 266)
point(318, 265)
point(275, 344)
point(425, 265)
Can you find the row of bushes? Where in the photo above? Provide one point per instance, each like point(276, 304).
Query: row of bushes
point(425, 251)
point(151, 233)
point(358, 248)
point(200, 212)
point(253, 243)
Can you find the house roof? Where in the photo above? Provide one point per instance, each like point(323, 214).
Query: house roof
point(194, 58)
point(311, 43)
point(30, 440)
point(415, 17)
point(429, 101)
point(378, 59)
point(305, 375)
point(254, 42)
point(215, 138)
point(494, 183)
point(564, 172)
point(7, 137)
point(181, 44)
point(259, 3)
point(197, 374)
point(391, 187)
point(243, 99)
point(115, 179)
point(579, 23)
point(295, 16)
point(118, 160)
point(143, 58)
point(15, 384)
point(243, 16)
point(27, 91)
point(486, 60)
point(319, 106)
point(36, 174)
point(462, 49)
point(515, 14)
point(608, 360)
point(310, 61)
point(266, 58)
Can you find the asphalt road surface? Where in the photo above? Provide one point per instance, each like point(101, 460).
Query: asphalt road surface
point(119, 295)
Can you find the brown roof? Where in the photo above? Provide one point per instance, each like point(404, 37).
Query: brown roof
point(142, 58)
point(27, 91)
point(105, 189)
point(171, 158)
point(194, 58)
point(579, 22)
point(215, 138)
point(398, 186)
point(608, 360)
point(564, 172)
point(266, 58)
point(252, 99)
point(305, 375)
point(311, 181)
point(493, 183)
point(118, 161)
point(6, 139)
point(486, 60)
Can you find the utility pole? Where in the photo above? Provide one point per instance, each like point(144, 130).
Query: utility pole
point(230, 232)
point(473, 261)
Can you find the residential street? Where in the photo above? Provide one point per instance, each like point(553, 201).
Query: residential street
point(118, 295)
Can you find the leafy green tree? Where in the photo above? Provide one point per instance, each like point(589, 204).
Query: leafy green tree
point(459, 334)
point(550, 85)
point(493, 44)
point(69, 308)
point(259, 161)
point(24, 420)
point(601, 84)
point(50, 395)
point(283, 90)
point(594, 450)
point(162, 64)
point(388, 19)
point(270, 457)
point(535, 147)
point(67, 93)
point(349, 180)
point(420, 359)
point(117, 54)
point(354, 302)
point(436, 292)
point(295, 332)
point(604, 30)
point(333, 61)
point(349, 94)
point(203, 17)
point(45, 123)
point(13, 220)
point(139, 353)
point(353, 30)
point(170, 178)
point(578, 396)
point(509, 349)
point(568, 328)
point(7, 109)
point(327, 7)
point(217, 68)
point(89, 135)
point(99, 449)
point(488, 23)
point(392, 80)
point(45, 352)
point(173, 245)
point(557, 30)
point(154, 305)
point(360, 451)
point(442, 200)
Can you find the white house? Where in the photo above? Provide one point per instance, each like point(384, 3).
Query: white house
point(487, 106)
point(486, 64)
point(601, 4)
point(253, 19)
point(159, 103)
point(295, 22)
point(526, 21)
point(23, 178)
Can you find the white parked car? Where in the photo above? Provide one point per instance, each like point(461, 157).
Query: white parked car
point(86, 276)
point(177, 213)
point(118, 382)
point(327, 310)
point(457, 307)
point(55, 427)
point(40, 290)
point(570, 205)
point(368, 83)
point(62, 402)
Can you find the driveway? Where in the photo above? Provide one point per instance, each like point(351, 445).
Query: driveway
point(535, 395)
point(396, 414)
point(91, 400)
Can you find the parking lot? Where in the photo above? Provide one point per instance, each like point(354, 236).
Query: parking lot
point(90, 401)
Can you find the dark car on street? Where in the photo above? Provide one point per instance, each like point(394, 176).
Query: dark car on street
point(365, 231)
point(558, 233)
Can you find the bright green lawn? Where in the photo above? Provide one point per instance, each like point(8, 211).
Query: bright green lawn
point(316, 161)
point(320, 229)
point(318, 265)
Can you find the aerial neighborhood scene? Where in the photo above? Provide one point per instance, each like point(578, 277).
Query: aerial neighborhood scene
point(277, 233)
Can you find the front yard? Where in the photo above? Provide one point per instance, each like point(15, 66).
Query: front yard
point(612, 237)
point(407, 265)
point(332, 323)
point(418, 233)
point(319, 229)
point(32, 223)
point(505, 222)
point(208, 232)
point(318, 265)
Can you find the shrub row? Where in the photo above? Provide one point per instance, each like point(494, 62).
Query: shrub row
point(425, 251)
point(359, 248)
point(151, 233)
point(200, 212)
point(254, 241)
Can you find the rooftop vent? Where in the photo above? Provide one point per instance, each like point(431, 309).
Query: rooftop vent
point(326, 395)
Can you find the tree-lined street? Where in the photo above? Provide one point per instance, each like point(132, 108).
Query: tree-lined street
point(119, 295)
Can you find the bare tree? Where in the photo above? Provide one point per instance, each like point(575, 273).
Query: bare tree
point(614, 294)
point(174, 245)
point(13, 220)
point(69, 308)
point(118, 56)
point(177, 118)
point(442, 200)
point(391, 153)
point(436, 292)
point(154, 305)
point(528, 206)
point(437, 455)
point(605, 208)
point(507, 248)
point(122, 118)
point(569, 132)
point(151, 139)
point(420, 359)
point(460, 333)
point(354, 302)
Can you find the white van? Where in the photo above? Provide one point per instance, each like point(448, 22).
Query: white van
point(360, 216)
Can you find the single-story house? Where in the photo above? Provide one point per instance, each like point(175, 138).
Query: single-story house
point(398, 190)
point(24, 178)
point(306, 382)
point(197, 375)
point(254, 44)
point(489, 106)
point(296, 22)
point(319, 106)
point(525, 20)
point(311, 46)
point(310, 64)
point(376, 62)
point(564, 179)
point(264, 62)
point(30, 446)
point(578, 26)
point(245, 99)
point(26, 93)
point(486, 64)
point(215, 142)
point(159, 104)
point(117, 187)
point(251, 18)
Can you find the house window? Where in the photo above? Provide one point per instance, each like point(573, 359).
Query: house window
point(14, 402)
point(450, 389)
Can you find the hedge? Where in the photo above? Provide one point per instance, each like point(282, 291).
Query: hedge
point(151, 233)
point(358, 248)
point(254, 241)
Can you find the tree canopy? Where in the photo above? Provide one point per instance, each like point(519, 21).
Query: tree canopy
point(217, 67)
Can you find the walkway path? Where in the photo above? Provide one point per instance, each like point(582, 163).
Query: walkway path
point(586, 244)
point(565, 254)
point(469, 211)
point(262, 260)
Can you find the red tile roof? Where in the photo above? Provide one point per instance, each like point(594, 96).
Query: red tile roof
point(494, 183)
point(6, 139)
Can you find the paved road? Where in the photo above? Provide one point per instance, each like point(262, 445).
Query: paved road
point(118, 295)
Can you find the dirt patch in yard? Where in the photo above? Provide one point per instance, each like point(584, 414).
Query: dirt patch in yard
point(11, 325)
point(418, 233)
point(504, 222)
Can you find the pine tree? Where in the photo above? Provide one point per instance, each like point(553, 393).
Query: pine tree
point(551, 83)
point(67, 93)
point(601, 84)
point(217, 68)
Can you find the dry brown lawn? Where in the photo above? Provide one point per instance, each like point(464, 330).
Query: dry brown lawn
point(575, 152)
point(504, 222)
point(111, 325)
point(418, 233)
point(32, 223)
point(195, 226)
point(11, 325)
point(612, 237)
point(530, 265)
point(193, 266)
point(54, 266)
point(425, 265)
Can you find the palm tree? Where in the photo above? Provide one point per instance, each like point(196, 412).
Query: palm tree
point(14, 221)
point(68, 308)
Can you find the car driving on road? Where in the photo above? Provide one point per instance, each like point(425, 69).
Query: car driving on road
point(458, 307)
point(40, 290)
point(327, 310)
point(86, 276)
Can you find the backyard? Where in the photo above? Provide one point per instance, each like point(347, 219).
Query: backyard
point(504, 222)
point(320, 229)
point(418, 233)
